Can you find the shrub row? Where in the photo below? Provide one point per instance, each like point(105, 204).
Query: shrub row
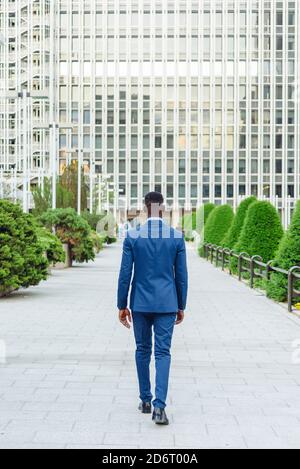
point(256, 229)
point(28, 245)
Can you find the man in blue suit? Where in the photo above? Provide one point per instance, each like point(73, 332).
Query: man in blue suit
point(158, 298)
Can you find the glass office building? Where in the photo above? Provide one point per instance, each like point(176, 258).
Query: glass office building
point(198, 99)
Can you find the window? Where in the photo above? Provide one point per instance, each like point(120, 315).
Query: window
point(86, 117)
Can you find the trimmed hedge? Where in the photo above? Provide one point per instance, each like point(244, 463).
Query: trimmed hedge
point(22, 259)
point(262, 231)
point(234, 231)
point(72, 229)
point(196, 220)
point(218, 223)
point(288, 255)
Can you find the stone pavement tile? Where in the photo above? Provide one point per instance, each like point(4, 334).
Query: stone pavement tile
point(106, 426)
point(161, 439)
point(16, 436)
point(42, 446)
point(266, 442)
point(234, 410)
point(227, 372)
point(38, 425)
point(287, 421)
point(91, 416)
point(86, 400)
point(240, 430)
point(54, 406)
point(62, 437)
point(210, 442)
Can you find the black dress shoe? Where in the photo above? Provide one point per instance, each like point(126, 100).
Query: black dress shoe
point(159, 416)
point(145, 407)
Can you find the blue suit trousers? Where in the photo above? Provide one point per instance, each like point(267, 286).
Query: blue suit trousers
point(163, 326)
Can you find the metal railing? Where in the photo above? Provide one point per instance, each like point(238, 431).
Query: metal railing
point(253, 266)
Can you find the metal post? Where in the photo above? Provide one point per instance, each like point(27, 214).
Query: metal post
point(52, 131)
point(240, 267)
point(290, 290)
point(252, 273)
point(24, 108)
point(268, 270)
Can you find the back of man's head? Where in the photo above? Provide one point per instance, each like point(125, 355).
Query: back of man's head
point(153, 198)
point(154, 203)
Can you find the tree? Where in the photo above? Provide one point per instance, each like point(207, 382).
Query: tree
point(234, 231)
point(69, 185)
point(218, 223)
point(262, 231)
point(287, 256)
point(73, 230)
point(22, 259)
point(42, 197)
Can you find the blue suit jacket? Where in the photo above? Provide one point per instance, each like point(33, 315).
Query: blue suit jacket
point(157, 254)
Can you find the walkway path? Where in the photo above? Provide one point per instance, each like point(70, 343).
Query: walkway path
point(69, 378)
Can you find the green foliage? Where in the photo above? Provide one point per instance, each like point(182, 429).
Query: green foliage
point(110, 239)
point(195, 220)
point(261, 232)
point(217, 225)
point(234, 231)
point(187, 223)
point(71, 228)
point(22, 260)
point(51, 245)
point(42, 198)
point(208, 208)
point(98, 241)
point(68, 188)
point(92, 218)
point(64, 198)
point(287, 256)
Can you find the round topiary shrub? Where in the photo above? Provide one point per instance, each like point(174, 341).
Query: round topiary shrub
point(217, 225)
point(234, 231)
point(262, 231)
point(73, 230)
point(22, 259)
point(287, 256)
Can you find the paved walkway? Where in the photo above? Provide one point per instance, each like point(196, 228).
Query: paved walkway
point(69, 379)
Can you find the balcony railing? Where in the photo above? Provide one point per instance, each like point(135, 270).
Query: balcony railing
point(254, 267)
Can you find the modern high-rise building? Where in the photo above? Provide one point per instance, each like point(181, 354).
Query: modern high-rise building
point(198, 99)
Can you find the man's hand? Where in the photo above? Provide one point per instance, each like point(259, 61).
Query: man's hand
point(125, 317)
point(180, 317)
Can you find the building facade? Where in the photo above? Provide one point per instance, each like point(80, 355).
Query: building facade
point(198, 99)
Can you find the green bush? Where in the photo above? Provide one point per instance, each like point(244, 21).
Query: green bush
point(234, 231)
point(111, 239)
point(72, 229)
point(217, 225)
point(92, 218)
point(262, 231)
point(22, 259)
point(208, 208)
point(98, 241)
point(195, 220)
point(287, 256)
point(51, 245)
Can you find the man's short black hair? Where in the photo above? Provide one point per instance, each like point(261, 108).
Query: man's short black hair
point(153, 198)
